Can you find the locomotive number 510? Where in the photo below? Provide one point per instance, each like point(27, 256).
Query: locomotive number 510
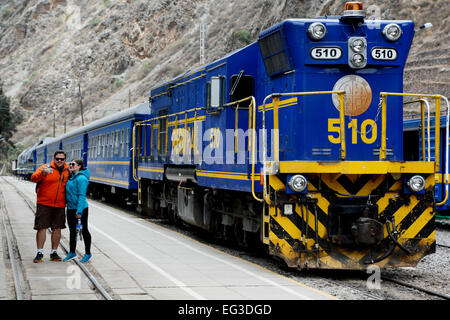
point(367, 131)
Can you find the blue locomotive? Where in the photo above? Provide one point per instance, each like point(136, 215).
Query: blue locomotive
point(296, 141)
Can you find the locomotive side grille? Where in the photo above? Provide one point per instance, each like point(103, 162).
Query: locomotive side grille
point(321, 151)
point(274, 53)
point(389, 152)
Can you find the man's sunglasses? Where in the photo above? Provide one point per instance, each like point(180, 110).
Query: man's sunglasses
point(60, 159)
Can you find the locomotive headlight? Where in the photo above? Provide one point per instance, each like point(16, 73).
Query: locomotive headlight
point(358, 45)
point(392, 32)
point(298, 183)
point(358, 60)
point(416, 183)
point(316, 31)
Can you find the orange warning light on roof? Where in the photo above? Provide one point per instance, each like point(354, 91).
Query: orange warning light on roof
point(354, 5)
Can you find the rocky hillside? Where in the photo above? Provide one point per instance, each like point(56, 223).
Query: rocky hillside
point(114, 51)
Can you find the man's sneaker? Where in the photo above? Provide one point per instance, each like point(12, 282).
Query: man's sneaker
point(86, 258)
point(39, 258)
point(54, 257)
point(70, 256)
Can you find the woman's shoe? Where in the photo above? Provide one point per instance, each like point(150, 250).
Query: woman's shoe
point(70, 256)
point(86, 258)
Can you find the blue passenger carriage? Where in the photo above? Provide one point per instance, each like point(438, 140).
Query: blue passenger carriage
point(42, 155)
point(295, 141)
point(52, 146)
point(26, 162)
point(75, 145)
point(106, 146)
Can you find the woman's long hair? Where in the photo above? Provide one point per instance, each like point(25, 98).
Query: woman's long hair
point(80, 163)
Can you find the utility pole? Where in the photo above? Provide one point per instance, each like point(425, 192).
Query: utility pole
point(54, 121)
point(129, 98)
point(81, 102)
point(65, 86)
point(202, 43)
point(65, 116)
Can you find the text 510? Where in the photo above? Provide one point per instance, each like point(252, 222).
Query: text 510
point(367, 131)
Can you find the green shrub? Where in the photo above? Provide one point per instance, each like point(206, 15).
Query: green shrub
point(146, 69)
point(95, 22)
point(243, 36)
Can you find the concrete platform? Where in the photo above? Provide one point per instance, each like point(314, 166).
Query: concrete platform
point(47, 280)
point(141, 260)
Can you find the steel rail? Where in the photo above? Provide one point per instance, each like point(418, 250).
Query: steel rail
point(443, 245)
point(17, 286)
point(412, 286)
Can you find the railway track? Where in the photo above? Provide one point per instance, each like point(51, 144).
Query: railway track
point(418, 288)
point(19, 291)
point(443, 245)
point(14, 260)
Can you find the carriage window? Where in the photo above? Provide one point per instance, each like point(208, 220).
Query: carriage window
point(99, 150)
point(100, 145)
point(95, 147)
point(107, 145)
point(122, 138)
point(116, 144)
point(103, 145)
point(111, 145)
point(127, 142)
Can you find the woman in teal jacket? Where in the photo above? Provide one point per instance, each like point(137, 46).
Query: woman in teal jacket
point(77, 207)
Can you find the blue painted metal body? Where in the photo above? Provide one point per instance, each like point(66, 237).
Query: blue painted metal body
point(308, 127)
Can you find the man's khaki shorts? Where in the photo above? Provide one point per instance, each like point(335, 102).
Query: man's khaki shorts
point(49, 217)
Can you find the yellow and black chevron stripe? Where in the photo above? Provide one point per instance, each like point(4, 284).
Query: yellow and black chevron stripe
point(293, 237)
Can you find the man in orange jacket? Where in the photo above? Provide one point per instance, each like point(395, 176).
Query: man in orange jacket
point(51, 203)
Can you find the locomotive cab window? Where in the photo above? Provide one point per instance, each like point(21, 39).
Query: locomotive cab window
point(215, 93)
point(242, 86)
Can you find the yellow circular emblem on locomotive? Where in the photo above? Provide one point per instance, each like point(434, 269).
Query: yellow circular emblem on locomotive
point(358, 94)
